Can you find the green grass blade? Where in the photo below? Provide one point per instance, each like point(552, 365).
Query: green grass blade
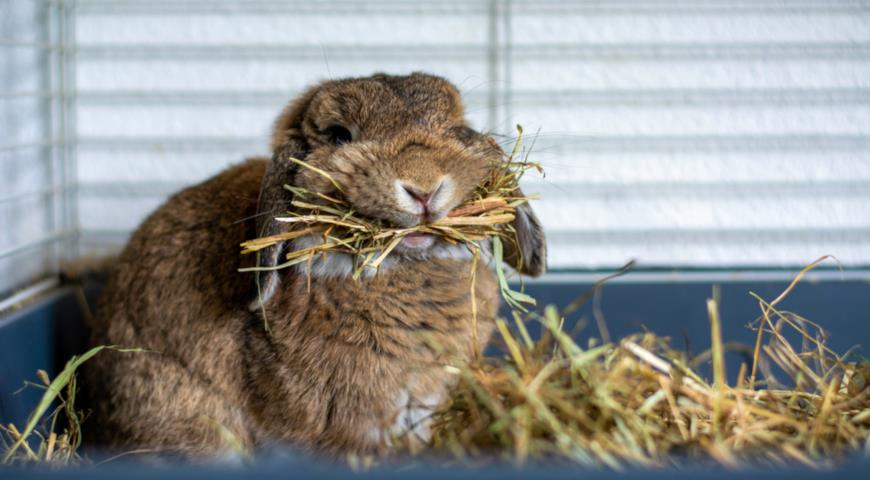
point(52, 392)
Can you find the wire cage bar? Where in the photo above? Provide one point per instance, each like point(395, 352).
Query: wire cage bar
point(633, 96)
point(55, 198)
point(47, 203)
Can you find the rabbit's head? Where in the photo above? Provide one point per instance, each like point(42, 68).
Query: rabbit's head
point(401, 151)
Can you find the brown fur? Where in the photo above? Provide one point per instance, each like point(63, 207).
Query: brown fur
point(344, 359)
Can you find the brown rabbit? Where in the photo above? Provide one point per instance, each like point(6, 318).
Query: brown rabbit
point(347, 364)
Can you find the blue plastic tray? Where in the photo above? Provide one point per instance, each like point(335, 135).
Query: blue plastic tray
point(43, 335)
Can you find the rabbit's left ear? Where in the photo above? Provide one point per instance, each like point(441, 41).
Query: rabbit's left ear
point(527, 251)
point(288, 142)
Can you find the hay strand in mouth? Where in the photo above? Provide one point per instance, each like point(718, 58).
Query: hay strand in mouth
point(337, 227)
point(478, 206)
point(264, 242)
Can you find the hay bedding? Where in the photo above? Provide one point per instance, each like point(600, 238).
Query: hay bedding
point(635, 402)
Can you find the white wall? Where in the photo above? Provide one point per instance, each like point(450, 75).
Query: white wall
point(708, 133)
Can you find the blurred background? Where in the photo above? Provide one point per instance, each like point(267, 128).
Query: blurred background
point(713, 135)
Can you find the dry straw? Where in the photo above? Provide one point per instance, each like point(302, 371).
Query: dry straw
point(486, 215)
point(53, 431)
point(638, 403)
point(616, 405)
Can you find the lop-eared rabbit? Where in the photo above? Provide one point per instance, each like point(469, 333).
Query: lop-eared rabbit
point(345, 365)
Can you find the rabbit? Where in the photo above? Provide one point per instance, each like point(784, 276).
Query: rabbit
point(304, 356)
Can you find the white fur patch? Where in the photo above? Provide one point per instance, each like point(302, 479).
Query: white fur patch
point(332, 265)
point(413, 417)
point(443, 195)
point(341, 265)
point(376, 435)
point(405, 200)
point(451, 252)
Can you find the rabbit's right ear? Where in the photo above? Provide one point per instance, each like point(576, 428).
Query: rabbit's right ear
point(288, 141)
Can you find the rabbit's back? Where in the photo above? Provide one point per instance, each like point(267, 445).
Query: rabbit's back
point(176, 293)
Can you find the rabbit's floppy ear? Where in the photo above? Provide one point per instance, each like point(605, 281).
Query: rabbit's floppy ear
point(526, 248)
point(288, 141)
point(527, 251)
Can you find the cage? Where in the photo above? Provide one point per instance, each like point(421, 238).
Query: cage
point(716, 142)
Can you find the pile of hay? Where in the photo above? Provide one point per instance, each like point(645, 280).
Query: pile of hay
point(487, 214)
point(637, 403)
point(615, 405)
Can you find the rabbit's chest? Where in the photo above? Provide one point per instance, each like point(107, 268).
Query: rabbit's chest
point(414, 306)
point(375, 350)
point(391, 318)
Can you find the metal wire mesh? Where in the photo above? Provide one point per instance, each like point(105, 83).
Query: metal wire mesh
point(704, 133)
point(664, 122)
point(37, 143)
point(289, 62)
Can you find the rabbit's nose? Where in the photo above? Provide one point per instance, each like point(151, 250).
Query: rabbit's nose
point(427, 203)
point(422, 198)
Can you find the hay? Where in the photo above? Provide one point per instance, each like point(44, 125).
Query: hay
point(615, 405)
point(485, 215)
point(55, 412)
point(636, 403)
